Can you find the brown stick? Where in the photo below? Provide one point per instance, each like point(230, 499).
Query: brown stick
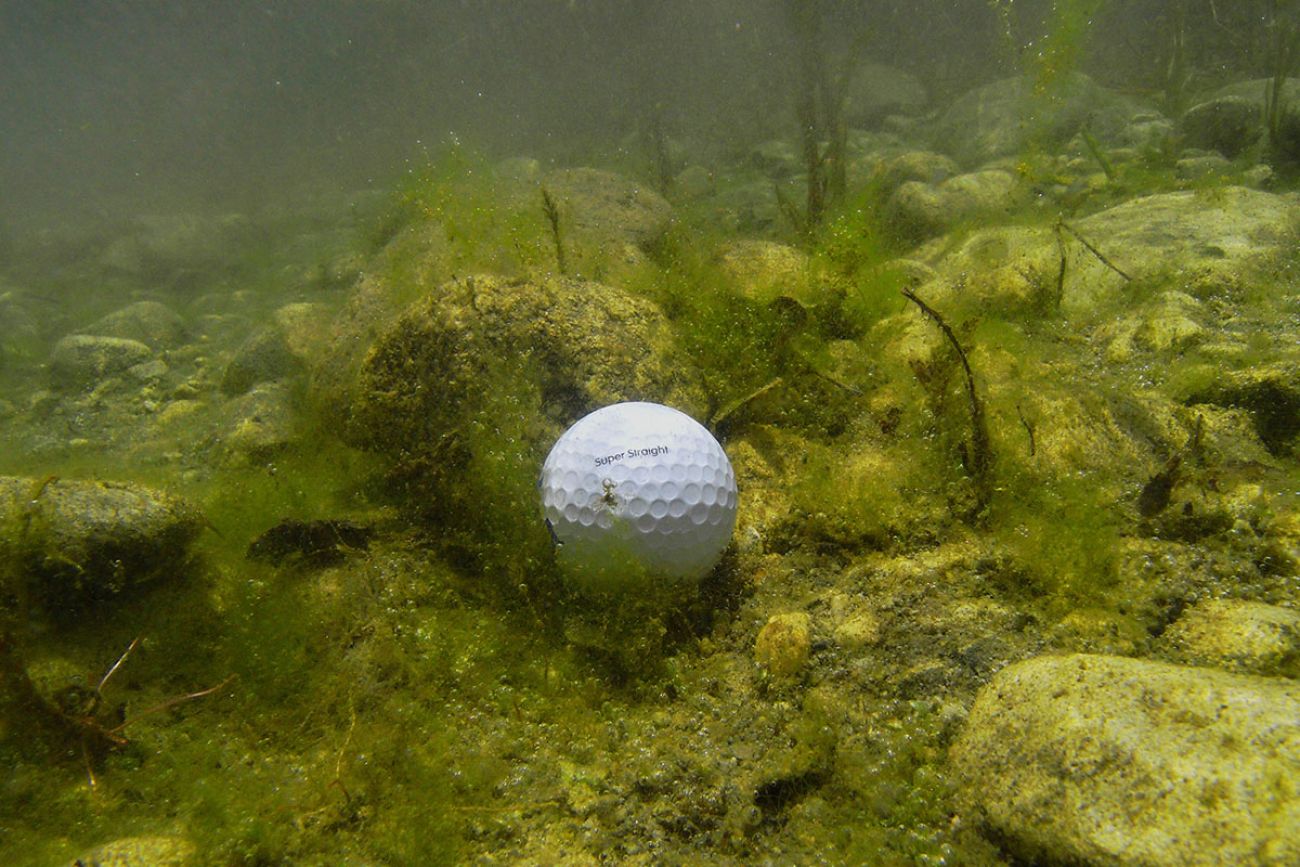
point(981, 449)
point(172, 702)
point(1094, 251)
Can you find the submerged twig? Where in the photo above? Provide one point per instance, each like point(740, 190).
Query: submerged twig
point(1094, 148)
point(843, 386)
point(172, 702)
point(1029, 429)
point(1093, 250)
point(981, 448)
point(1060, 274)
point(99, 687)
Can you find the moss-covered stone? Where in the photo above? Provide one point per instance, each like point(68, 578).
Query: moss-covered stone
point(766, 270)
point(151, 851)
point(1210, 239)
point(783, 644)
point(78, 541)
point(150, 322)
point(82, 360)
point(606, 220)
point(1237, 635)
point(582, 344)
point(1106, 760)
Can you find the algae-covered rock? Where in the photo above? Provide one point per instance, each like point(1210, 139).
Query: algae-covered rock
point(581, 344)
point(259, 423)
point(1227, 124)
point(414, 261)
point(1201, 166)
point(1271, 392)
point(999, 118)
point(693, 182)
point(21, 329)
point(76, 541)
point(1237, 635)
point(303, 325)
point(783, 644)
point(776, 157)
point(603, 213)
point(1216, 233)
point(876, 90)
point(749, 208)
point(82, 360)
point(150, 322)
point(263, 357)
point(919, 210)
point(926, 167)
point(149, 851)
point(1212, 241)
point(766, 270)
point(1167, 324)
point(1106, 760)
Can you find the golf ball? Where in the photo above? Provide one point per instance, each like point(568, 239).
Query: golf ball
point(638, 492)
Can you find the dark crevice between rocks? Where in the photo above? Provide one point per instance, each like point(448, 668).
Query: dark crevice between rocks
point(1273, 405)
point(776, 797)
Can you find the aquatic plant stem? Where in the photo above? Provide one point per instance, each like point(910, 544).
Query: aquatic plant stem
point(980, 464)
point(1101, 257)
point(552, 212)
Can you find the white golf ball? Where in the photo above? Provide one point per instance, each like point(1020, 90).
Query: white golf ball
point(638, 492)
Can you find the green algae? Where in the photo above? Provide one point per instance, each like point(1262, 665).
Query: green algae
point(731, 340)
point(459, 193)
point(439, 688)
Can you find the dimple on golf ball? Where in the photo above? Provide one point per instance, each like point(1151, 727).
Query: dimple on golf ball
point(638, 492)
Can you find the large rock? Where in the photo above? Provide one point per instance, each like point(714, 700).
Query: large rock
point(877, 90)
point(150, 322)
point(1271, 392)
point(1255, 90)
point(583, 345)
point(83, 360)
point(924, 166)
point(579, 344)
point(1227, 124)
point(1212, 240)
point(259, 424)
point(79, 541)
point(264, 357)
point(604, 214)
point(750, 208)
point(1237, 635)
point(20, 326)
point(918, 210)
point(1104, 760)
point(414, 261)
point(165, 244)
point(1001, 118)
point(766, 270)
point(1285, 145)
point(467, 390)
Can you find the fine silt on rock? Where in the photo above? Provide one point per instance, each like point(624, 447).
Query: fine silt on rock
point(74, 542)
point(1088, 759)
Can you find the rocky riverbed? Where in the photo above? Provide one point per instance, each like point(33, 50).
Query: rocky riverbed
point(1015, 576)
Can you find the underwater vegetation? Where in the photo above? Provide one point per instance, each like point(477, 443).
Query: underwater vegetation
point(1007, 378)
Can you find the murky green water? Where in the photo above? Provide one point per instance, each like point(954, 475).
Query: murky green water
point(993, 307)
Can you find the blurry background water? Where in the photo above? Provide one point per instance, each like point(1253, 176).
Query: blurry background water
point(296, 294)
point(111, 107)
